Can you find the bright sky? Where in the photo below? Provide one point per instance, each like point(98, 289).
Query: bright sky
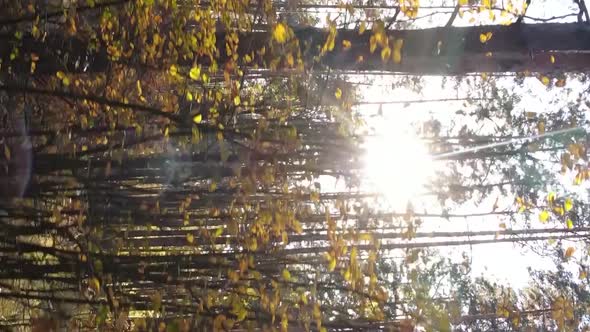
point(398, 165)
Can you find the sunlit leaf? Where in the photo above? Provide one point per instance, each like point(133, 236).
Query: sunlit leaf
point(385, 53)
point(173, 70)
point(362, 27)
point(94, 284)
point(198, 118)
point(280, 33)
point(569, 252)
point(485, 37)
point(568, 204)
point(195, 73)
point(544, 216)
point(286, 275)
point(541, 127)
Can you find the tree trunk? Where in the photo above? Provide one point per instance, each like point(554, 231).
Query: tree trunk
point(437, 51)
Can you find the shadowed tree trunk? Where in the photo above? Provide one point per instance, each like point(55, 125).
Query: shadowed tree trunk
point(436, 51)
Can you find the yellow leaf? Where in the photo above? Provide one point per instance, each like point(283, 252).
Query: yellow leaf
point(362, 27)
point(385, 53)
point(237, 100)
point(541, 127)
point(503, 225)
point(484, 76)
point(190, 238)
point(338, 93)
point(195, 73)
point(398, 44)
point(544, 216)
point(198, 118)
point(189, 96)
point(397, 56)
point(332, 264)
point(286, 275)
point(251, 291)
point(346, 44)
point(552, 59)
point(463, 2)
point(7, 153)
point(372, 44)
point(94, 284)
point(485, 37)
point(253, 245)
point(545, 80)
point(570, 224)
point(347, 274)
point(559, 210)
point(569, 204)
point(139, 90)
point(569, 252)
point(284, 322)
point(280, 33)
point(173, 70)
point(583, 274)
point(290, 59)
point(166, 131)
point(296, 225)
point(551, 197)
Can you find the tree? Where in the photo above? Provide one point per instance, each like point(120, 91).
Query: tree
point(164, 170)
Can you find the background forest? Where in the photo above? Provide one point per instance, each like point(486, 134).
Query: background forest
point(298, 165)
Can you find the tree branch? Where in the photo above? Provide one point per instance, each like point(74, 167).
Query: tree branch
point(453, 15)
point(583, 11)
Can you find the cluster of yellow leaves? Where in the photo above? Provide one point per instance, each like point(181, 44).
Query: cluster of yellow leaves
point(65, 80)
point(410, 8)
point(559, 209)
point(562, 312)
point(389, 45)
point(485, 37)
point(523, 204)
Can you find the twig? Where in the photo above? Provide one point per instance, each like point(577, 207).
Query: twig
point(453, 15)
point(583, 11)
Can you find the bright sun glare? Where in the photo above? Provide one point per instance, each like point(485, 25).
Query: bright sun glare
point(397, 163)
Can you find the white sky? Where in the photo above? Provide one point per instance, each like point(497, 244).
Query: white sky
point(506, 262)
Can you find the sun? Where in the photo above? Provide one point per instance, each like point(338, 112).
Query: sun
point(397, 163)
